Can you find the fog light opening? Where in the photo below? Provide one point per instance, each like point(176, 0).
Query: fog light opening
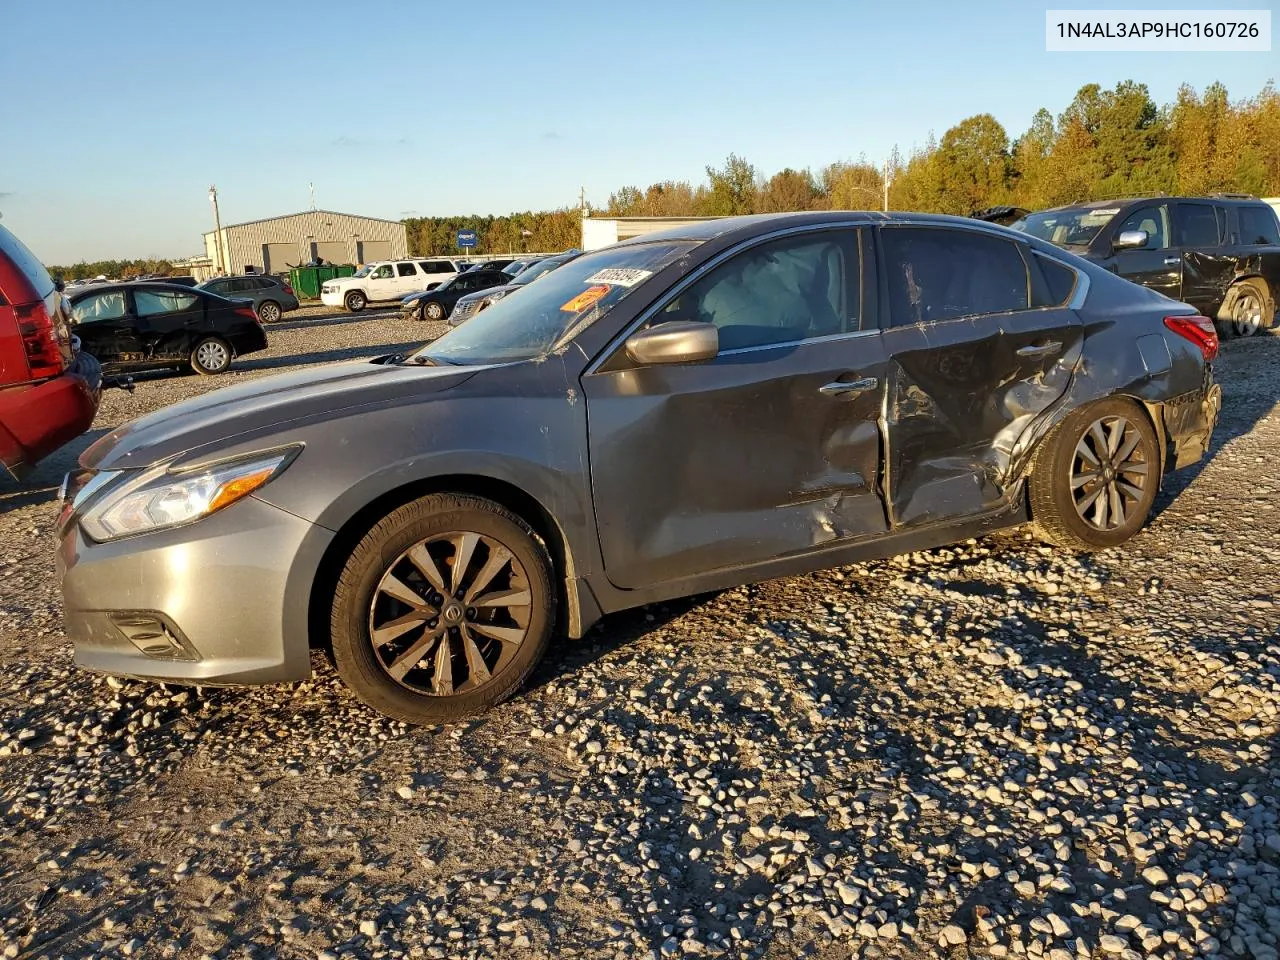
point(153, 637)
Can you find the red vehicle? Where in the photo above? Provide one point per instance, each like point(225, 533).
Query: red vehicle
point(49, 391)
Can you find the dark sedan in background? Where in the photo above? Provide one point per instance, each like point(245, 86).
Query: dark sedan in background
point(717, 404)
point(437, 303)
point(472, 303)
point(147, 326)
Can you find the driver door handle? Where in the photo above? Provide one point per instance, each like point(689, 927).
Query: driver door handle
point(1040, 349)
point(1172, 261)
point(848, 388)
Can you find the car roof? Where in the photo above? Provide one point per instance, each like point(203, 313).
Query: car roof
point(1121, 202)
point(134, 285)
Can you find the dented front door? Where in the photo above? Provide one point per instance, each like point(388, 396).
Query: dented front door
point(768, 450)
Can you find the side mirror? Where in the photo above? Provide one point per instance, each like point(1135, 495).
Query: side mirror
point(680, 341)
point(1131, 240)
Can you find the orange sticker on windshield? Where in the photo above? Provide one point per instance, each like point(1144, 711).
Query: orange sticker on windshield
point(586, 298)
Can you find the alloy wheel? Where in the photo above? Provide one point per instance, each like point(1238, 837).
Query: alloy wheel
point(449, 613)
point(1246, 318)
point(213, 355)
point(1109, 473)
point(269, 312)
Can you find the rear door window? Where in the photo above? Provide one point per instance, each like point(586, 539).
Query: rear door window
point(150, 303)
point(406, 269)
point(1258, 225)
point(938, 274)
point(1198, 225)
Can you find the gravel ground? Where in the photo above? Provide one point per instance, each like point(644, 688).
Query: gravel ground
point(990, 750)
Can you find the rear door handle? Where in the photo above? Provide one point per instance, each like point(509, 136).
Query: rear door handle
point(1172, 261)
point(1040, 349)
point(848, 388)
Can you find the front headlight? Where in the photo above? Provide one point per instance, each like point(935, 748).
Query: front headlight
point(160, 499)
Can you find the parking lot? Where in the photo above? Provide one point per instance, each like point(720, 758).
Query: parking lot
point(990, 750)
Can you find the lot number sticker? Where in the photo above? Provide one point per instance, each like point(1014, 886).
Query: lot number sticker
point(620, 276)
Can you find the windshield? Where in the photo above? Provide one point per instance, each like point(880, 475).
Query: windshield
point(364, 271)
point(566, 302)
point(1074, 227)
point(529, 274)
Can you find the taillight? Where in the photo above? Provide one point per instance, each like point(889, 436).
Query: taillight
point(40, 340)
point(1199, 330)
point(248, 312)
point(287, 289)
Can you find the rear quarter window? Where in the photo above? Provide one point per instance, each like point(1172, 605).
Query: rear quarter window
point(1259, 225)
point(28, 265)
point(1059, 283)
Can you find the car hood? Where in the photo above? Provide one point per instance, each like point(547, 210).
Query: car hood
point(202, 425)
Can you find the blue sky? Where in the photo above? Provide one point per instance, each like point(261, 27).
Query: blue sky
point(118, 117)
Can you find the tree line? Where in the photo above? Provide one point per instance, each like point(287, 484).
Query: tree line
point(115, 269)
point(1106, 143)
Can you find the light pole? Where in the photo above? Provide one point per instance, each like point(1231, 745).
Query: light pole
point(885, 178)
point(220, 264)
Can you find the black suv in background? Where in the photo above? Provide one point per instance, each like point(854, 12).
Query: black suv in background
point(1221, 254)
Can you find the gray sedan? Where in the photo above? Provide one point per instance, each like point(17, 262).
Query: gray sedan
point(271, 296)
point(718, 404)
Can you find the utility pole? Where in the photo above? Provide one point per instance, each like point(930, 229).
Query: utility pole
point(220, 265)
point(582, 201)
point(312, 188)
point(885, 177)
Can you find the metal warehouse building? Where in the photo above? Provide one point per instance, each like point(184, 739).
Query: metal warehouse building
point(278, 243)
point(600, 232)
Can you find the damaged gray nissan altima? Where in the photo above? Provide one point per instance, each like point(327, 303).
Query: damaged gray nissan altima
point(716, 404)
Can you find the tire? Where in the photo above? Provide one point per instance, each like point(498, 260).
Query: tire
point(386, 587)
point(1071, 513)
point(269, 311)
point(1252, 308)
point(433, 311)
point(355, 301)
point(211, 356)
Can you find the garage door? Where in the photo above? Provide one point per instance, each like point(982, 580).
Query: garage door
point(278, 257)
point(371, 250)
point(333, 251)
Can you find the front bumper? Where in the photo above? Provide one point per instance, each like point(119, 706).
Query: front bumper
point(331, 299)
point(232, 591)
point(36, 419)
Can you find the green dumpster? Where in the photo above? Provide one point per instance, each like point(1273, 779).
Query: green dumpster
point(306, 281)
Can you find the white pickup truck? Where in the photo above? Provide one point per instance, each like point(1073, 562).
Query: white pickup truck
point(386, 280)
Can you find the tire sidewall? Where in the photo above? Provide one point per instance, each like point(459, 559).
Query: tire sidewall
point(1060, 461)
point(200, 368)
point(355, 301)
point(353, 651)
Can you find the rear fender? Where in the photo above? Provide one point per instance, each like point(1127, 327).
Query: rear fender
point(1154, 369)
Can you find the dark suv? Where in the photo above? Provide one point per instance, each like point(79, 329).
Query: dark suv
point(1221, 254)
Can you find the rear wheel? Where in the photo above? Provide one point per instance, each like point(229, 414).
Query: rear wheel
point(355, 301)
point(1249, 311)
point(442, 610)
point(433, 311)
point(268, 311)
point(211, 356)
point(1095, 476)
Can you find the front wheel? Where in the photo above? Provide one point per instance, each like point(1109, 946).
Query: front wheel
point(1095, 476)
point(355, 301)
point(433, 311)
point(443, 609)
point(211, 356)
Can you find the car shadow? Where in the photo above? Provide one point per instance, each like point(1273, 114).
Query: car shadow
point(1245, 401)
point(331, 320)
